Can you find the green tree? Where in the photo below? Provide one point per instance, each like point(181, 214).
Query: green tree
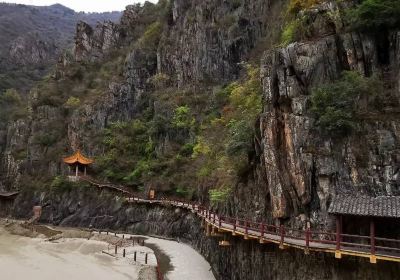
point(335, 105)
point(375, 15)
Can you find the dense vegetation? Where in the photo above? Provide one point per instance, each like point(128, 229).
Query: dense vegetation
point(207, 141)
point(337, 105)
point(375, 15)
point(368, 16)
point(13, 107)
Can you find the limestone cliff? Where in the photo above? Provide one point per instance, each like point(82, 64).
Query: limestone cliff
point(137, 79)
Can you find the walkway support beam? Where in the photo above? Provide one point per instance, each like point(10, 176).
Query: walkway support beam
point(372, 258)
point(308, 234)
point(282, 233)
point(338, 253)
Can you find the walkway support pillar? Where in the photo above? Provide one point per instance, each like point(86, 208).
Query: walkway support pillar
point(372, 258)
point(308, 234)
point(208, 230)
point(338, 253)
point(282, 233)
point(246, 230)
point(262, 229)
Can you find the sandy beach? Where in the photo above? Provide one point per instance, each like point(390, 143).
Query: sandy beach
point(82, 258)
point(31, 258)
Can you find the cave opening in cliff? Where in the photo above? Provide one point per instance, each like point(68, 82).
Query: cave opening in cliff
point(6, 202)
point(383, 47)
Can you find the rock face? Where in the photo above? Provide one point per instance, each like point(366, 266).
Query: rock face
point(32, 50)
point(296, 171)
point(306, 169)
point(92, 44)
point(208, 39)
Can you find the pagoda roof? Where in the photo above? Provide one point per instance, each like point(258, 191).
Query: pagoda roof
point(78, 158)
point(8, 194)
point(380, 206)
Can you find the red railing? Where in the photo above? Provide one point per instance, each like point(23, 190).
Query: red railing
point(284, 235)
point(305, 238)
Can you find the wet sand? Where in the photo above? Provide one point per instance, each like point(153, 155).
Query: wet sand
point(76, 254)
point(29, 258)
point(186, 262)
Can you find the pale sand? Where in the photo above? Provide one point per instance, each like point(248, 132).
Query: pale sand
point(187, 263)
point(72, 258)
point(24, 258)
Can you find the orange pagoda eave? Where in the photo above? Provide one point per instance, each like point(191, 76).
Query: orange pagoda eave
point(78, 158)
point(78, 162)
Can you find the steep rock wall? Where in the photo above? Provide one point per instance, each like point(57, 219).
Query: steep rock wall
point(305, 169)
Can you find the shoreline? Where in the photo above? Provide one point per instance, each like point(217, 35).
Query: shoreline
point(175, 260)
point(64, 259)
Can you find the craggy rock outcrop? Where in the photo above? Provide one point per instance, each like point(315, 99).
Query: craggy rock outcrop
point(92, 44)
point(305, 170)
point(30, 49)
point(208, 39)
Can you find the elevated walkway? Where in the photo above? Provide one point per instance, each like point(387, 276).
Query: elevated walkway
point(339, 244)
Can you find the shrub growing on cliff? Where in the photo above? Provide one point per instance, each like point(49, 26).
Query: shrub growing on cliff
point(219, 195)
point(226, 139)
point(12, 106)
point(375, 15)
point(295, 6)
point(297, 26)
point(336, 105)
point(183, 118)
point(151, 36)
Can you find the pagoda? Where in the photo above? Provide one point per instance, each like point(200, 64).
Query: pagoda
point(78, 163)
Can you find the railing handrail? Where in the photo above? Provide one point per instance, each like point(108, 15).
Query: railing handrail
point(261, 228)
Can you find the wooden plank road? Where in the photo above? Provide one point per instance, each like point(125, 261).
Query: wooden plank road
point(306, 240)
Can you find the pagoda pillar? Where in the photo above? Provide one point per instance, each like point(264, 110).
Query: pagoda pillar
point(76, 170)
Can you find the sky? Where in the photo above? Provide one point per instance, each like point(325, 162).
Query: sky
point(83, 5)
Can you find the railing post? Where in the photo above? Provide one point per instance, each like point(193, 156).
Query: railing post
point(214, 218)
point(262, 229)
point(116, 249)
point(308, 233)
point(338, 254)
point(372, 258)
point(282, 233)
point(234, 226)
point(246, 230)
point(219, 221)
